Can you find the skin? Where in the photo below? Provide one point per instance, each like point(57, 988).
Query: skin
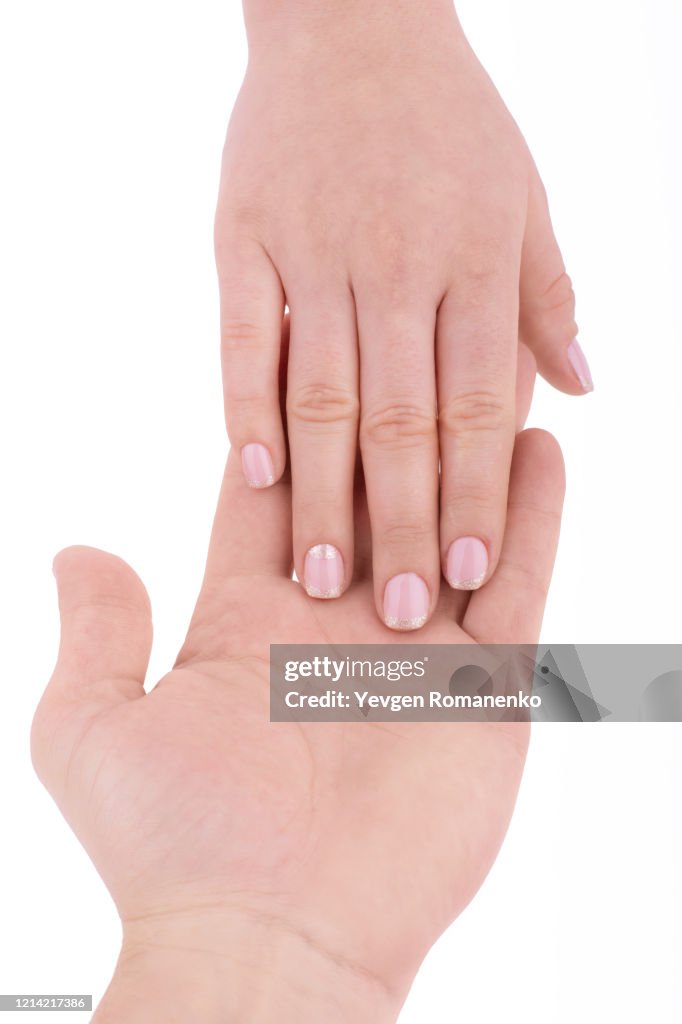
point(291, 872)
point(374, 181)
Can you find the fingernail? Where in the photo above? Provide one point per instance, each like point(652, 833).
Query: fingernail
point(406, 601)
point(576, 358)
point(257, 465)
point(323, 571)
point(467, 563)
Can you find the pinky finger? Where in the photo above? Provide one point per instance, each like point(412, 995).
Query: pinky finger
point(547, 309)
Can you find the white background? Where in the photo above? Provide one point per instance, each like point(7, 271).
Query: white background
point(111, 127)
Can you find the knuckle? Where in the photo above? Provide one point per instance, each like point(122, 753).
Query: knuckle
point(247, 213)
point(236, 222)
point(240, 334)
point(533, 511)
point(246, 411)
point(407, 533)
point(522, 578)
point(474, 413)
point(394, 262)
point(241, 233)
point(398, 427)
point(322, 403)
point(552, 313)
point(244, 407)
point(484, 263)
point(474, 498)
point(559, 295)
point(393, 257)
point(320, 506)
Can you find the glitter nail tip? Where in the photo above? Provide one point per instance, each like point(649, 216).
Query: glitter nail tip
point(405, 624)
point(323, 572)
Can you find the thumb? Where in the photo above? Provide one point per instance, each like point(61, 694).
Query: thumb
point(106, 626)
point(106, 632)
point(547, 301)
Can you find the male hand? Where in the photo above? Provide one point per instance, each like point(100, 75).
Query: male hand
point(263, 871)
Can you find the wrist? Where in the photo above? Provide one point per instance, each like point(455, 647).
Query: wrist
point(376, 26)
point(213, 971)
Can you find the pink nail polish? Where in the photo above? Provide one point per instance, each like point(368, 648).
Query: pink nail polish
point(257, 465)
point(406, 601)
point(467, 563)
point(323, 571)
point(576, 358)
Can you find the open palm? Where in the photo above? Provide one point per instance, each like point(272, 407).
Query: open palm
point(365, 840)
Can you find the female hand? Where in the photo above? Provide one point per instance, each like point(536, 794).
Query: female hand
point(374, 181)
point(287, 871)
